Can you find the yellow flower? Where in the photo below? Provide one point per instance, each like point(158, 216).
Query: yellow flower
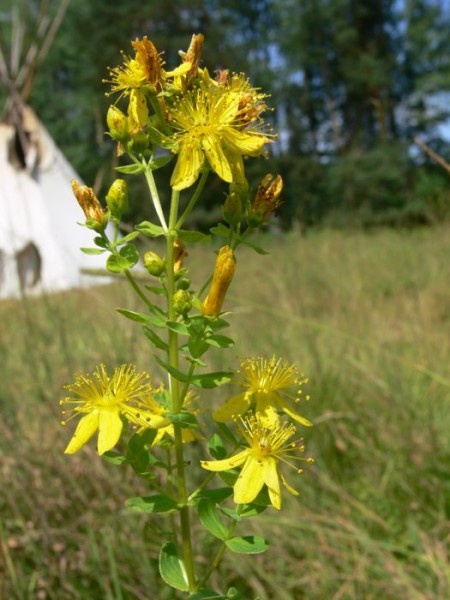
point(209, 124)
point(266, 448)
point(144, 70)
point(223, 275)
point(184, 74)
point(188, 434)
point(272, 386)
point(102, 401)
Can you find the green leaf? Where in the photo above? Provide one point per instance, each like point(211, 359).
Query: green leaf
point(230, 513)
point(227, 434)
point(171, 568)
point(253, 246)
point(128, 256)
point(92, 250)
point(131, 169)
point(177, 327)
point(130, 253)
point(210, 519)
point(159, 162)
point(140, 317)
point(249, 544)
point(114, 458)
point(207, 594)
point(158, 291)
point(251, 510)
point(216, 447)
point(155, 339)
point(234, 594)
point(128, 238)
point(99, 241)
point(186, 419)
point(172, 370)
point(150, 229)
point(212, 380)
point(220, 341)
point(216, 495)
point(220, 230)
point(191, 237)
point(152, 504)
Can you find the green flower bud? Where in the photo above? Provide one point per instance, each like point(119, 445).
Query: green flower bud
point(117, 124)
point(117, 198)
point(232, 209)
point(182, 302)
point(184, 283)
point(138, 143)
point(154, 264)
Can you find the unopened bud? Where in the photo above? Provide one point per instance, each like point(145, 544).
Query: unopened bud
point(96, 216)
point(117, 198)
point(179, 252)
point(267, 198)
point(117, 124)
point(232, 209)
point(182, 302)
point(223, 275)
point(154, 264)
point(184, 283)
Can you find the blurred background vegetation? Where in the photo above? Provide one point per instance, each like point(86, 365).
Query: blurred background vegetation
point(352, 84)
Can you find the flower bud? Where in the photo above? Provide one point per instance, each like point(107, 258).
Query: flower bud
point(154, 264)
point(267, 198)
point(117, 124)
point(184, 283)
point(179, 252)
point(232, 209)
point(96, 216)
point(223, 274)
point(182, 302)
point(117, 198)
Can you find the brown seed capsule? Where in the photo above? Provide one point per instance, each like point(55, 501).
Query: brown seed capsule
point(93, 211)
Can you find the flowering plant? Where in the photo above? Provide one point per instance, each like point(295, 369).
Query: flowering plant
point(209, 125)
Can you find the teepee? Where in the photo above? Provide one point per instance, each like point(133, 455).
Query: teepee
point(40, 235)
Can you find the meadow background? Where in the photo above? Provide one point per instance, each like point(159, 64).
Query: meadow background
point(366, 316)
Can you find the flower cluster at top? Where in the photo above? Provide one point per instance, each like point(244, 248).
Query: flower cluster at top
point(209, 123)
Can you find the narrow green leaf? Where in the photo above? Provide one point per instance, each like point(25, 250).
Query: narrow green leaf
point(186, 419)
point(128, 238)
point(152, 504)
point(220, 230)
point(155, 339)
point(216, 495)
point(212, 380)
point(177, 327)
point(150, 229)
point(230, 513)
point(257, 249)
point(249, 544)
point(251, 510)
point(209, 517)
point(207, 594)
point(220, 341)
point(171, 568)
point(92, 250)
point(131, 169)
point(172, 370)
point(141, 318)
point(216, 447)
point(193, 236)
point(161, 161)
point(158, 291)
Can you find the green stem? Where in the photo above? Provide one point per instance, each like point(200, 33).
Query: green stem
point(215, 563)
point(193, 200)
point(155, 197)
point(186, 542)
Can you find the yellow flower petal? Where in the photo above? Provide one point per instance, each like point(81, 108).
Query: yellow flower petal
point(216, 158)
point(266, 409)
point(188, 167)
point(86, 428)
point(234, 407)
point(226, 463)
point(250, 481)
point(244, 142)
point(272, 481)
point(109, 430)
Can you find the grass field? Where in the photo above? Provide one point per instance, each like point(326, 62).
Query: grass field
point(366, 317)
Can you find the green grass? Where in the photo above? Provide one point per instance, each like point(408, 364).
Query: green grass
point(367, 318)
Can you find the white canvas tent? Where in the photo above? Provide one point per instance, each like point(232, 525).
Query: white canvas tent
point(40, 237)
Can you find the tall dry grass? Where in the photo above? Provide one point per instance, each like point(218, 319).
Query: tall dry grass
point(366, 316)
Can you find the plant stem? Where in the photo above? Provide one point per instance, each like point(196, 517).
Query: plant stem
point(155, 197)
point(193, 200)
point(177, 399)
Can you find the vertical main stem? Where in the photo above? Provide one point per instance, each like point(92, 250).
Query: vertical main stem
point(186, 542)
